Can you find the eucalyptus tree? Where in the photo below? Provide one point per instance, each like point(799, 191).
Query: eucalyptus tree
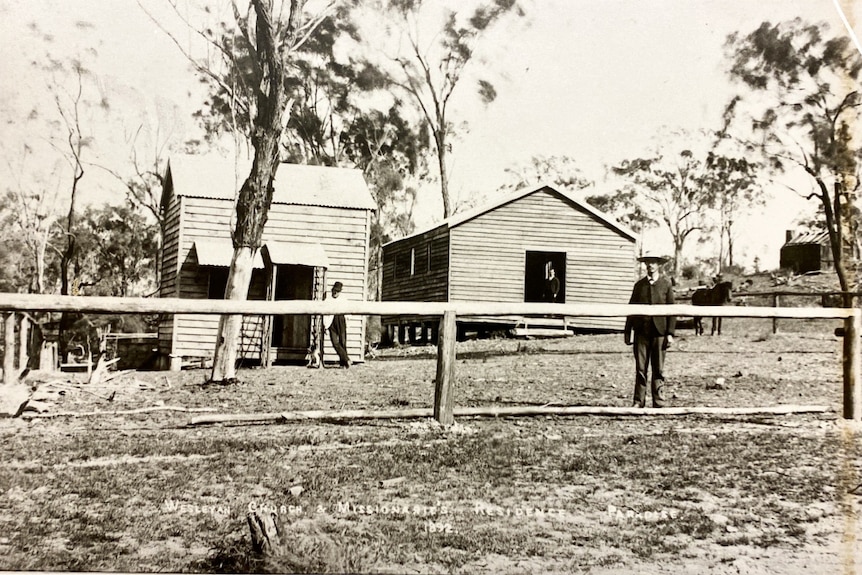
point(803, 114)
point(433, 63)
point(343, 114)
point(671, 190)
point(732, 182)
point(77, 100)
point(118, 246)
point(269, 32)
point(561, 171)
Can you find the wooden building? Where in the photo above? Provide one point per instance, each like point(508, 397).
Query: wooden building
point(317, 233)
point(504, 251)
point(806, 252)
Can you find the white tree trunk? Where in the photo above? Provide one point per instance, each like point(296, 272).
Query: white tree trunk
point(230, 326)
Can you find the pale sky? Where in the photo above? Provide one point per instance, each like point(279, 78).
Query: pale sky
point(597, 80)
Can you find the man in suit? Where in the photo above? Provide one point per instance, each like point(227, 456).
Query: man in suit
point(651, 335)
point(336, 325)
point(552, 286)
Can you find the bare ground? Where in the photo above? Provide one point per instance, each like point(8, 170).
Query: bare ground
point(649, 494)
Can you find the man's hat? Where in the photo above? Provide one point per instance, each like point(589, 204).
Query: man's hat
point(337, 286)
point(652, 257)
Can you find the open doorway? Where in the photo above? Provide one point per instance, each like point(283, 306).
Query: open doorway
point(539, 270)
point(290, 333)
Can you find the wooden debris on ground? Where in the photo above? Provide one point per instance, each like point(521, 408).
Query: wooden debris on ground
point(265, 532)
point(124, 411)
point(505, 411)
point(99, 374)
point(44, 393)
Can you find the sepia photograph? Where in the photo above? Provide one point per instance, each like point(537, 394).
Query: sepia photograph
point(431, 286)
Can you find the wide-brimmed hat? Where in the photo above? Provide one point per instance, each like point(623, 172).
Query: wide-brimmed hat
point(650, 256)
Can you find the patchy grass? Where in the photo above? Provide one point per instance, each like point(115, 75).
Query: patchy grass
point(496, 490)
point(485, 496)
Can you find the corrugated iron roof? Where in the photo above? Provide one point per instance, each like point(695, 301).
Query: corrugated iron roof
point(458, 219)
point(294, 253)
point(216, 177)
point(219, 252)
point(806, 238)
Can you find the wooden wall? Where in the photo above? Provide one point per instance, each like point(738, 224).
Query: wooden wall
point(343, 234)
point(488, 254)
point(429, 278)
point(169, 269)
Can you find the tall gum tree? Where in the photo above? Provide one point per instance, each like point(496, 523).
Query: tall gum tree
point(671, 190)
point(429, 71)
point(344, 114)
point(804, 108)
point(269, 31)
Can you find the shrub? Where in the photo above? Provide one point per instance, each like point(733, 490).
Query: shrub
point(689, 271)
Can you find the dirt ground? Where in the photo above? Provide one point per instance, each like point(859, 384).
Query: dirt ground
point(650, 493)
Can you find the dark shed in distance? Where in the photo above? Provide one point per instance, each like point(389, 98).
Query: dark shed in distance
point(806, 252)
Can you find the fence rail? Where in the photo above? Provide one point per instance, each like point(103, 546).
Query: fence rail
point(448, 312)
point(36, 303)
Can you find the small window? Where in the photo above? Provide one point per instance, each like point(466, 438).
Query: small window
point(421, 260)
point(403, 265)
point(217, 282)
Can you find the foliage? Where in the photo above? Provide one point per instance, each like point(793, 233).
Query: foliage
point(116, 252)
point(805, 115)
point(29, 234)
point(688, 194)
point(429, 74)
point(561, 171)
point(731, 182)
point(689, 271)
point(625, 207)
point(340, 116)
point(672, 191)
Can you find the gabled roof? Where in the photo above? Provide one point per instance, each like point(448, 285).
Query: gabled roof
point(216, 177)
point(458, 219)
point(806, 238)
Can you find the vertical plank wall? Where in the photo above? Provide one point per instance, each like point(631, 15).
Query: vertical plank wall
point(169, 270)
point(488, 254)
point(341, 232)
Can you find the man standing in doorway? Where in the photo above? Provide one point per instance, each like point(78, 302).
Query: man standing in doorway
point(651, 335)
point(337, 327)
point(552, 285)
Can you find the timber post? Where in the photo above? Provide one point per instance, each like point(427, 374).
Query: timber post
point(775, 303)
point(443, 396)
point(9, 349)
point(23, 342)
point(853, 366)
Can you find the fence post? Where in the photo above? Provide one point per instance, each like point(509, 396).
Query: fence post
point(23, 342)
point(9, 349)
point(443, 399)
point(775, 303)
point(852, 362)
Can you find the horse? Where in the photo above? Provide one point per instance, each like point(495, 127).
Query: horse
point(720, 294)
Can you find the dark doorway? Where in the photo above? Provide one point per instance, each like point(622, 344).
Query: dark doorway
point(537, 276)
point(290, 333)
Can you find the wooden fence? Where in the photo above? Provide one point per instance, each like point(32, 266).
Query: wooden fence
point(448, 312)
point(775, 298)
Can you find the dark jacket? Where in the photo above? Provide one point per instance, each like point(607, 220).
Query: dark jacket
point(661, 292)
